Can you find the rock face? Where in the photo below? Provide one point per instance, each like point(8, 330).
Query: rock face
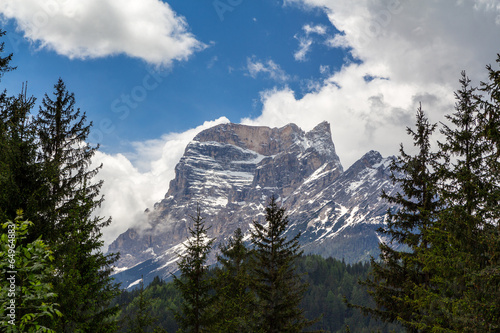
point(231, 170)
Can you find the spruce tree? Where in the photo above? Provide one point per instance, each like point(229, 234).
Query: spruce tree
point(469, 256)
point(4, 60)
point(45, 171)
point(277, 284)
point(194, 283)
point(448, 279)
point(6, 133)
point(485, 308)
point(143, 319)
point(83, 284)
point(400, 274)
point(65, 158)
point(4, 67)
point(457, 247)
point(235, 302)
point(21, 182)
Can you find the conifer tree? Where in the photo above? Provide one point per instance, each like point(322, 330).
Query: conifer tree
point(400, 274)
point(194, 283)
point(16, 145)
point(484, 310)
point(66, 158)
point(21, 182)
point(13, 125)
point(276, 282)
point(235, 302)
point(83, 284)
point(45, 171)
point(457, 249)
point(4, 67)
point(448, 280)
point(469, 255)
point(5, 60)
point(143, 319)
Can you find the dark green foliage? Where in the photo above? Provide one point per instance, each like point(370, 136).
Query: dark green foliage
point(399, 274)
point(142, 319)
point(466, 255)
point(21, 180)
point(484, 312)
point(65, 158)
point(449, 280)
point(277, 285)
point(162, 300)
point(4, 61)
point(45, 171)
point(454, 239)
point(193, 282)
point(235, 302)
point(329, 281)
point(84, 286)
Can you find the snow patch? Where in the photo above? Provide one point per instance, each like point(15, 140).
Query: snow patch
point(317, 174)
point(117, 270)
point(386, 163)
point(134, 283)
point(150, 250)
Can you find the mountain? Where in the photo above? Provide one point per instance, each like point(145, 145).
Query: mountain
point(231, 170)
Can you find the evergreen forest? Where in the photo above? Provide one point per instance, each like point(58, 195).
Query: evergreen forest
point(330, 283)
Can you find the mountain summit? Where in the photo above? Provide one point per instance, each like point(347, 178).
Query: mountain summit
point(231, 171)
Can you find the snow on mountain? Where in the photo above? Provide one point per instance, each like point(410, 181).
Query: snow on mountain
point(231, 170)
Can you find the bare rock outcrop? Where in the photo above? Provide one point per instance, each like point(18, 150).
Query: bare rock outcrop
point(231, 170)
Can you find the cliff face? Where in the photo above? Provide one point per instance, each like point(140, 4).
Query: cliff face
point(231, 170)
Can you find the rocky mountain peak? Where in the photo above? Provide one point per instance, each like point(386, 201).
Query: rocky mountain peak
point(255, 138)
point(231, 170)
point(268, 141)
point(320, 137)
point(369, 159)
point(322, 128)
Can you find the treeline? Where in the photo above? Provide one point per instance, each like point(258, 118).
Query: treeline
point(330, 283)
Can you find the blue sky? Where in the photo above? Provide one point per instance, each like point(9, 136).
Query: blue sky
point(151, 74)
point(212, 83)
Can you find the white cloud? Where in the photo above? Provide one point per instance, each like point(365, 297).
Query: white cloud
point(411, 50)
point(314, 29)
point(212, 62)
point(306, 40)
point(304, 48)
point(146, 29)
point(363, 114)
point(338, 41)
point(418, 41)
point(272, 69)
point(135, 181)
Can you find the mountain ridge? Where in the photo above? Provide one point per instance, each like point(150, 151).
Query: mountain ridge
point(231, 170)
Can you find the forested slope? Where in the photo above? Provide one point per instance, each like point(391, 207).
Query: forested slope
point(329, 280)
